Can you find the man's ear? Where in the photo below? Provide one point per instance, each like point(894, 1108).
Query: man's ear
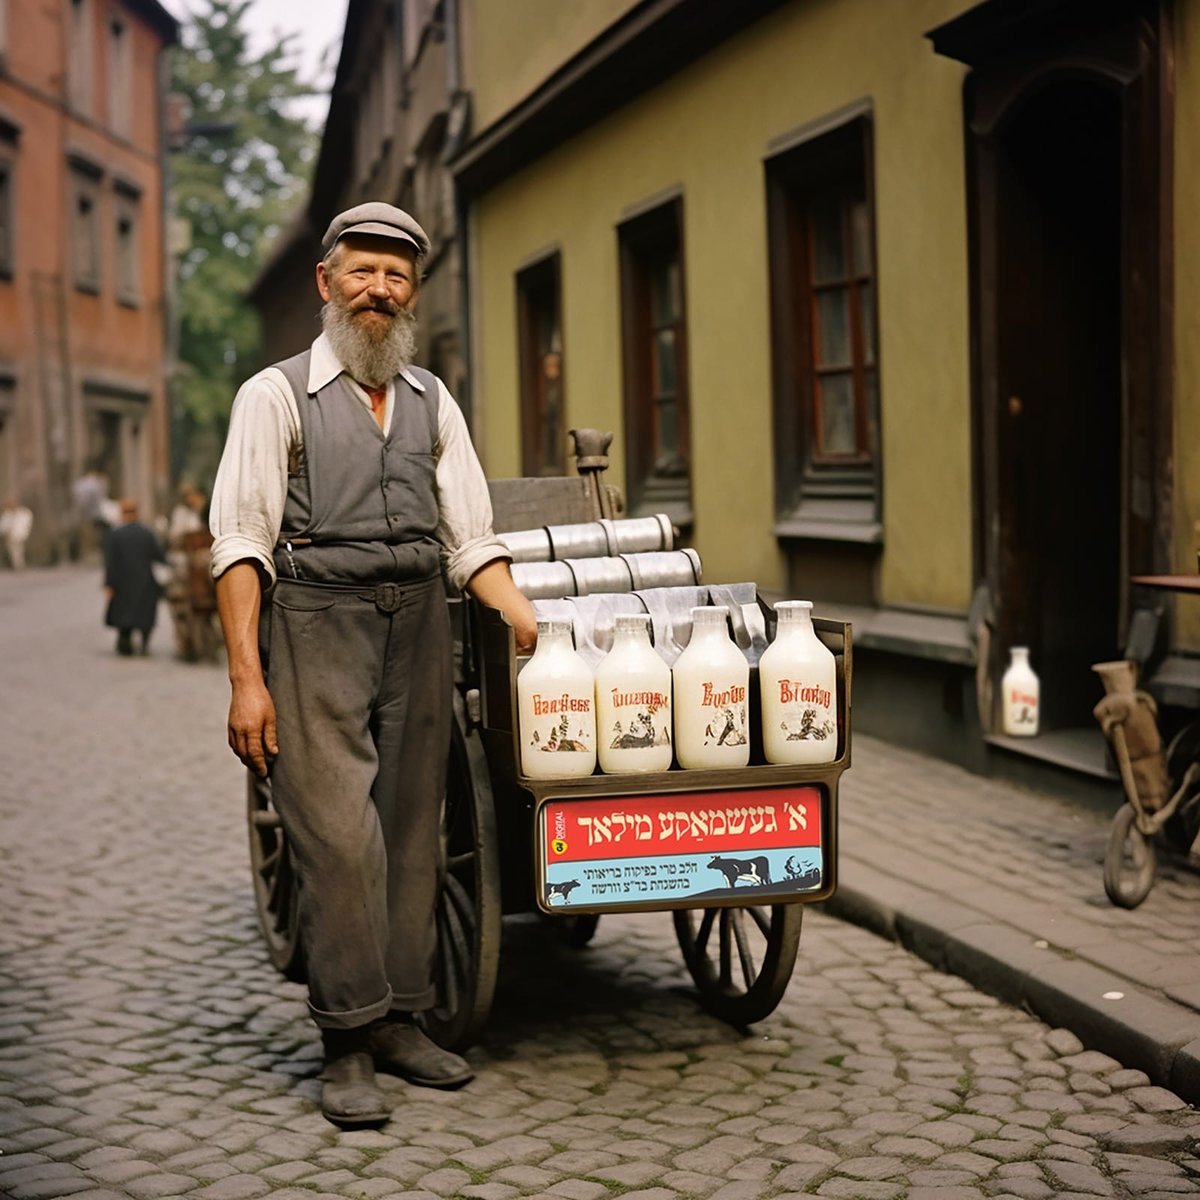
point(323, 282)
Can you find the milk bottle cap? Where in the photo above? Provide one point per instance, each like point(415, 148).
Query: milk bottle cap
point(552, 628)
point(710, 614)
point(789, 610)
point(631, 622)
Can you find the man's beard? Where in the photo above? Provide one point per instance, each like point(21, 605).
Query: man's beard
point(371, 350)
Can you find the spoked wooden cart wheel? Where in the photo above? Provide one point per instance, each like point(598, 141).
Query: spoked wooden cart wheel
point(469, 910)
point(1129, 861)
point(274, 881)
point(741, 959)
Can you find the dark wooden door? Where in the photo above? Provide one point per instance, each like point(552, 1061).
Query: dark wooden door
point(1058, 308)
point(1066, 125)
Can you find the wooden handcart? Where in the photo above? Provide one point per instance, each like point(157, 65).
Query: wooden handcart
point(510, 842)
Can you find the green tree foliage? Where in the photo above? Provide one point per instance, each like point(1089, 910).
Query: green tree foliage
point(238, 172)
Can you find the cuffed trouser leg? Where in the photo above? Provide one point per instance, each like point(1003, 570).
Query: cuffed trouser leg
point(359, 814)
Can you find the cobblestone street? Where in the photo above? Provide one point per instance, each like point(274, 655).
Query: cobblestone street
point(148, 1050)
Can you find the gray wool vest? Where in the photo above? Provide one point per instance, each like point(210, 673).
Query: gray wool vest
point(361, 508)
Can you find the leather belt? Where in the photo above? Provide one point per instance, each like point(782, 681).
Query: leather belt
point(387, 597)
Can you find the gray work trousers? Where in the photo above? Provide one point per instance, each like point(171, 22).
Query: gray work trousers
point(363, 706)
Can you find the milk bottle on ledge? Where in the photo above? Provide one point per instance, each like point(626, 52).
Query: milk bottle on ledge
point(1021, 695)
point(556, 708)
point(633, 701)
point(711, 680)
point(797, 676)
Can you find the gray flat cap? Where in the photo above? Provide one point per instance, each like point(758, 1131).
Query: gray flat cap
point(382, 220)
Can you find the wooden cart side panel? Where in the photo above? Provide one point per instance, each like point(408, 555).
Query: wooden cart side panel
point(532, 503)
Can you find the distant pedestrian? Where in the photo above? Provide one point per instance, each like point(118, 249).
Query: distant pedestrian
point(186, 532)
point(97, 512)
point(130, 551)
point(16, 521)
point(187, 516)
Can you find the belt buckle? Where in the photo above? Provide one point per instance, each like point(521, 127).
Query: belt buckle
point(387, 597)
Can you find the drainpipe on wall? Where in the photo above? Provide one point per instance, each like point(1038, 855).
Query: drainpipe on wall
point(170, 308)
point(453, 67)
point(458, 107)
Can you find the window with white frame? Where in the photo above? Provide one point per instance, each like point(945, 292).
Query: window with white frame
point(127, 202)
point(7, 207)
point(120, 75)
point(84, 206)
point(80, 41)
point(823, 314)
point(655, 362)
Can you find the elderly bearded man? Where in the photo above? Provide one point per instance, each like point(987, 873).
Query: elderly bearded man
point(347, 485)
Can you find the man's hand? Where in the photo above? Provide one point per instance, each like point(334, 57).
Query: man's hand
point(251, 709)
point(493, 585)
point(520, 617)
point(252, 726)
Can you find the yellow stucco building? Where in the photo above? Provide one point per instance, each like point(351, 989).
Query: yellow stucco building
point(890, 305)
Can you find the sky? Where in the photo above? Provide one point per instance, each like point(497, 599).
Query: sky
point(317, 22)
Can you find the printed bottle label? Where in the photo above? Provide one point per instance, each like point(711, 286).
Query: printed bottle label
point(728, 725)
point(569, 728)
point(638, 720)
point(806, 712)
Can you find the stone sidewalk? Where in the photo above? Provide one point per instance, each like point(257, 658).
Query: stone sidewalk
point(148, 1051)
point(1003, 887)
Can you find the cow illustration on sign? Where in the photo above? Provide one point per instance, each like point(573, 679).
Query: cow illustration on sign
point(756, 871)
point(560, 892)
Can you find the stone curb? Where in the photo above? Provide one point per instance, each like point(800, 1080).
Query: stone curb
point(1143, 1031)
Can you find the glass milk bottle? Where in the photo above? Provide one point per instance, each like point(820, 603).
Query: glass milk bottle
point(633, 701)
point(556, 708)
point(711, 680)
point(1020, 692)
point(797, 677)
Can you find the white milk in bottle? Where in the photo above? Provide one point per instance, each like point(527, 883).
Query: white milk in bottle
point(1022, 694)
point(711, 681)
point(556, 708)
point(633, 701)
point(797, 678)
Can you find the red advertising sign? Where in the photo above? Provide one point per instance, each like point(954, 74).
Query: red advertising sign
point(687, 824)
point(751, 846)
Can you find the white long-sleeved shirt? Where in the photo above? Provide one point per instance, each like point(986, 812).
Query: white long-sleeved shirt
point(246, 512)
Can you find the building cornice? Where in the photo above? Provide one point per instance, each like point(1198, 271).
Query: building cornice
point(653, 41)
point(154, 15)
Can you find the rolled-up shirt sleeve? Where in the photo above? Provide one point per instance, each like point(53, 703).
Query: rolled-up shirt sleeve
point(251, 485)
point(464, 505)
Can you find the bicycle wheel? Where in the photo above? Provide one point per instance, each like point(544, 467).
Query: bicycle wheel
point(1129, 861)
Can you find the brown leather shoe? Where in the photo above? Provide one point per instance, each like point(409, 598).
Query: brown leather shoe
point(350, 1097)
point(402, 1048)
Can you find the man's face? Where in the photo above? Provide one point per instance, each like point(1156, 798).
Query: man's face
point(373, 279)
